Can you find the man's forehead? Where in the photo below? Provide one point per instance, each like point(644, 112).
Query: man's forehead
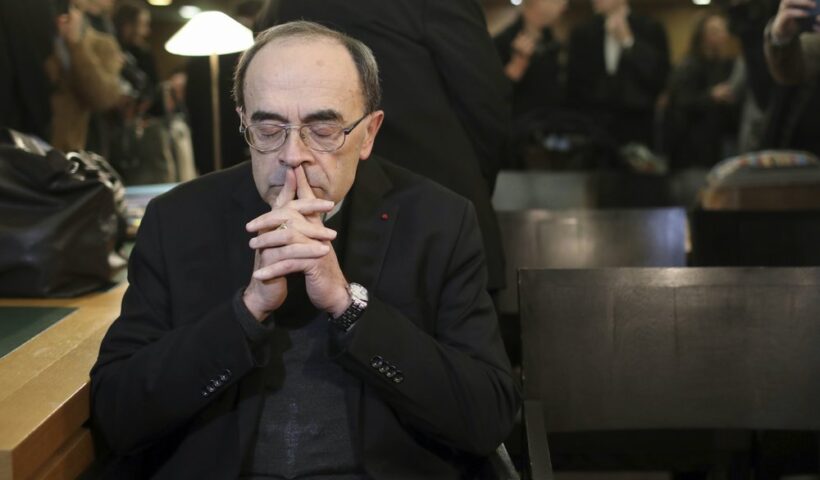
point(304, 71)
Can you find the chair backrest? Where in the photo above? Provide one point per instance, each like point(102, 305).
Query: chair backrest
point(755, 238)
point(587, 239)
point(673, 348)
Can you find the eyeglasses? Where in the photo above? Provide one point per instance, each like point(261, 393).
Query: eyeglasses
point(268, 137)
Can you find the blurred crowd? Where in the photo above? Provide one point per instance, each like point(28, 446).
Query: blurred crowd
point(599, 91)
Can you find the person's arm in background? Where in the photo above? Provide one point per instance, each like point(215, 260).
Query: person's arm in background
point(793, 58)
point(457, 36)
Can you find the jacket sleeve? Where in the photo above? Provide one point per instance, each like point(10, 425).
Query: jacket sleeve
point(152, 376)
point(796, 62)
point(456, 34)
point(452, 381)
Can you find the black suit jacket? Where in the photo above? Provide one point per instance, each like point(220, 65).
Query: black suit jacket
point(629, 96)
point(417, 249)
point(445, 98)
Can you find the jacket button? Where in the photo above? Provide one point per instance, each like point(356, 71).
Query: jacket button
point(383, 369)
point(210, 388)
point(216, 383)
point(376, 361)
point(227, 372)
point(205, 393)
point(223, 378)
point(398, 378)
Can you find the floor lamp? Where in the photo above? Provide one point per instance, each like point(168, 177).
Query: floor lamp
point(211, 34)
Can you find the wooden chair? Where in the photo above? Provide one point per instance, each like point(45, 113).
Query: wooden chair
point(688, 350)
point(755, 238)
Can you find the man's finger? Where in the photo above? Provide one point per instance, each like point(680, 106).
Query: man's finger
point(279, 237)
point(303, 189)
point(290, 212)
point(288, 191)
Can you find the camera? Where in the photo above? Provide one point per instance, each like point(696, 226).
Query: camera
point(808, 23)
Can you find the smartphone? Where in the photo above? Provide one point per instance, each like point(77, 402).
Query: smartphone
point(808, 23)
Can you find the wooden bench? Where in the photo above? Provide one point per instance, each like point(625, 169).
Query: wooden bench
point(671, 349)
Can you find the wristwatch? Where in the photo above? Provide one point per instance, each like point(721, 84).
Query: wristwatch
point(358, 295)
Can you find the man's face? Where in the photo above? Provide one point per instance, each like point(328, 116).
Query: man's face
point(605, 7)
point(300, 81)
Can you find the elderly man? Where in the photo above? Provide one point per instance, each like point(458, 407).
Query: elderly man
point(312, 314)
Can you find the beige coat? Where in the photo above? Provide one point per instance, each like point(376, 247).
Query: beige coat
point(92, 83)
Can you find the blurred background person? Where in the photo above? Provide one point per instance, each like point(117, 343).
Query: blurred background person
point(132, 22)
point(531, 55)
point(703, 113)
point(446, 100)
point(27, 32)
point(534, 59)
point(198, 102)
point(618, 65)
point(84, 69)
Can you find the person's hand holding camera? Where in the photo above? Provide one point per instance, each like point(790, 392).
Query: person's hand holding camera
point(793, 17)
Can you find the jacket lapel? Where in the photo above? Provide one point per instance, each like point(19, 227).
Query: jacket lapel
point(371, 224)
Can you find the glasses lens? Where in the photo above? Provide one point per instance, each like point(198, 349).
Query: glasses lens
point(324, 137)
point(265, 136)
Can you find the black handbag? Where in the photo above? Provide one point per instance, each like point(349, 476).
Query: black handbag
point(60, 219)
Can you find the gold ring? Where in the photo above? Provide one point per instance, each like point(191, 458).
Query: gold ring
point(283, 226)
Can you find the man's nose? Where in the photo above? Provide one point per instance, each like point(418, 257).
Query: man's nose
point(294, 152)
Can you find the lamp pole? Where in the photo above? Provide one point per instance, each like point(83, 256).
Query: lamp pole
point(217, 134)
point(196, 38)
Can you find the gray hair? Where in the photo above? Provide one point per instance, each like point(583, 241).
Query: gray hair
point(362, 57)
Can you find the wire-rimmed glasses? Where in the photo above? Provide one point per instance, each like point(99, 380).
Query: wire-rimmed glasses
point(267, 137)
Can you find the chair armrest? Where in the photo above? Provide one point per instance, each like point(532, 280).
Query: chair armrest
point(538, 452)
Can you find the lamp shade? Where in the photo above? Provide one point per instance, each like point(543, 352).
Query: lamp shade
point(210, 33)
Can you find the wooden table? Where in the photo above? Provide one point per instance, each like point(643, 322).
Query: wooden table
point(44, 390)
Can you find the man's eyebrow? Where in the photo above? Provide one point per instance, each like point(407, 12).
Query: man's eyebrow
point(261, 116)
point(327, 115)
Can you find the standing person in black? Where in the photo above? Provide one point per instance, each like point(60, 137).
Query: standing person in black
point(445, 95)
point(703, 113)
point(26, 40)
point(618, 65)
point(531, 54)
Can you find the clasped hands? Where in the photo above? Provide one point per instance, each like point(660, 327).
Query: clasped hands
point(302, 245)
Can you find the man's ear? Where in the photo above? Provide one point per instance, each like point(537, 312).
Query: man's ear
point(239, 112)
point(371, 129)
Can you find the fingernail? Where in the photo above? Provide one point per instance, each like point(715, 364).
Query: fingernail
point(252, 243)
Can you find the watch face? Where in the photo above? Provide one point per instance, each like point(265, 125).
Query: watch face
point(358, 292)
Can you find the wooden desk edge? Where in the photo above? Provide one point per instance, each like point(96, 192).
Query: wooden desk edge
point(41, 421)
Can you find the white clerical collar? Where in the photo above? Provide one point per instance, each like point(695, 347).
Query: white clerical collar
point(327, 216)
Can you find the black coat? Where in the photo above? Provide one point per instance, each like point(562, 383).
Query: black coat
point(445, 96)
point(628, 98)
point(417, 249)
